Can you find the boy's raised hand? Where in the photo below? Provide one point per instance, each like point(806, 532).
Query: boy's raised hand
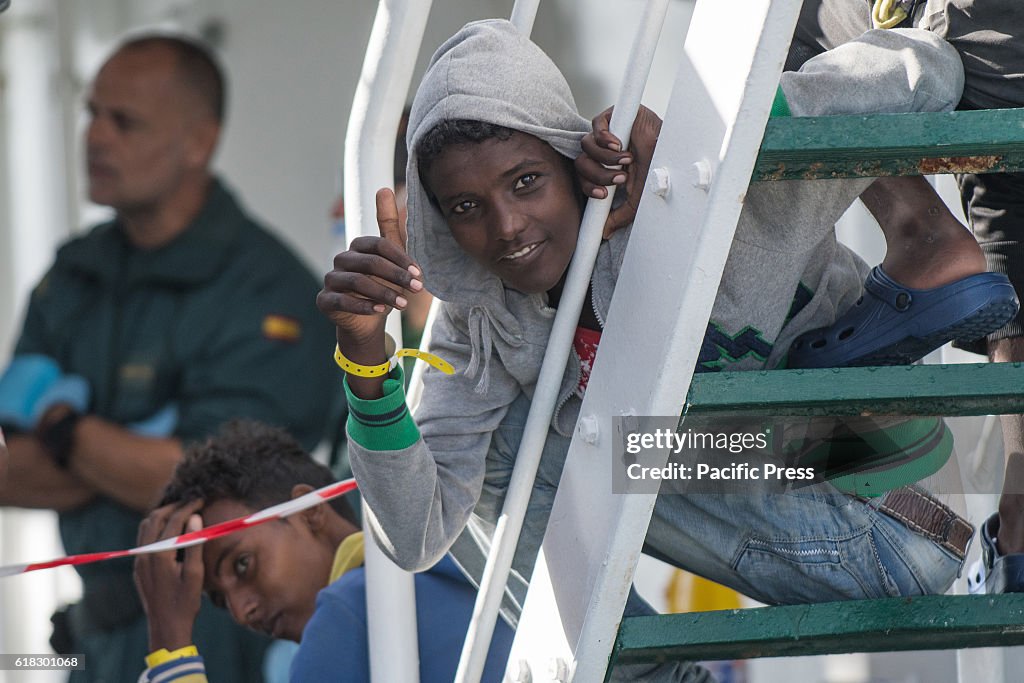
point(601, 149)
point(373, 276)
point(171, 588)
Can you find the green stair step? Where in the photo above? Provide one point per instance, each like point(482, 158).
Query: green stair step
point(802, 148)
point(962, 389)
point(934, 622)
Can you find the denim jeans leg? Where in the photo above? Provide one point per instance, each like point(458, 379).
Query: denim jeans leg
point(813, 544)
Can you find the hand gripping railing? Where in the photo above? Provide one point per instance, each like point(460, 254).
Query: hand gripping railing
point(509, 524)
point(369, 157)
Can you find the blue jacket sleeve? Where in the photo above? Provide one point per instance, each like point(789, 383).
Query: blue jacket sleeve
point(334, 643)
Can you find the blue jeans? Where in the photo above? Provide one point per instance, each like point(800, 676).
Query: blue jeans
point(814, 544)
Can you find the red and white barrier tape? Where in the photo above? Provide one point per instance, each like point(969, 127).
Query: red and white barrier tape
point(201, 536)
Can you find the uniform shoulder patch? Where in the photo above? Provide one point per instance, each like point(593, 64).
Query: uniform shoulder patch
point(281, 328)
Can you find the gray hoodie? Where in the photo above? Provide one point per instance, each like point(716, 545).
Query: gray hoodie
point(421, 497)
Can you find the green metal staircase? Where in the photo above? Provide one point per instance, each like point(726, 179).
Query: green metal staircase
point(832, 147)
point(962, 389)
point(808, 148)
point(933, 622)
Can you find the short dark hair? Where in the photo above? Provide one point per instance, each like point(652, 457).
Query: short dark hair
point(465, 131)
point(249, 462)
point(197, 67)
point(456, 132)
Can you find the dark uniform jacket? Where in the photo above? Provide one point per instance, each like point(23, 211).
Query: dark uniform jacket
point(221, 323)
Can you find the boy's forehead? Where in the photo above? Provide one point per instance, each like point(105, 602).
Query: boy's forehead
point(518, 141)
point(253, 539)
point(223, 510)
point(495, 159)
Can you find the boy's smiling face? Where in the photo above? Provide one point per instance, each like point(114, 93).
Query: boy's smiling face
point(512, 205)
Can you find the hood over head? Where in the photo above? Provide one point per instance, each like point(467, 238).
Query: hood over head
point(486, 72)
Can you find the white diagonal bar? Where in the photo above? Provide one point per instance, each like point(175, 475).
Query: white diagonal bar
point(524, 13)
point(510, 522)
point(677, 252)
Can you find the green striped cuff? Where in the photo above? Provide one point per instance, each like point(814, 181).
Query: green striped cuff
point(382, 424)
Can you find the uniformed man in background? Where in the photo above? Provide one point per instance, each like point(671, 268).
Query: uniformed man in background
point(147, 333)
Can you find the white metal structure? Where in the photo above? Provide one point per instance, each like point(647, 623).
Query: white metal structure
point(734, 78)
point(524, 13)
point(542, 406)
point(369, 154)
point(712, 132)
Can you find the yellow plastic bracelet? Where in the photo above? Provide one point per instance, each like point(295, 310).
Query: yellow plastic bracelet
point(428, 358)
point(354, 368)
point(162, 656)
point(887, 14)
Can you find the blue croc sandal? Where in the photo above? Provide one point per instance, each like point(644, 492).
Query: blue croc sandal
point(895, 325)
point(995, 573)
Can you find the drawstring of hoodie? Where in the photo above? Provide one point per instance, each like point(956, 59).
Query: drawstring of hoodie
point(483, 325)
point(481, 343)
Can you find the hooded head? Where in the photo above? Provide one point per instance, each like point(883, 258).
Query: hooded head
point(487, 72)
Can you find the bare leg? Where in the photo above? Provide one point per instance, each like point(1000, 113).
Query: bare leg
point(1011, 502)
point(926, 246)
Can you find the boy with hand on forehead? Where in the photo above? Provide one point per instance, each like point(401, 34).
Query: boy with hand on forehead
point(299, 578)
point(494, 214)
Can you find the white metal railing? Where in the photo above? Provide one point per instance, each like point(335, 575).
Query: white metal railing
point(524, 13)
point(369, 165)
point(712, 131)
point(509, 524)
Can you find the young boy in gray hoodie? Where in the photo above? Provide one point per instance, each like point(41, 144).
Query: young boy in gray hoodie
point(494, 213)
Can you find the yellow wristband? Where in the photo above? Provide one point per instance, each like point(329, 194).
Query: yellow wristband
point(354, 368)
point(162, 656)
point(428, 358)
